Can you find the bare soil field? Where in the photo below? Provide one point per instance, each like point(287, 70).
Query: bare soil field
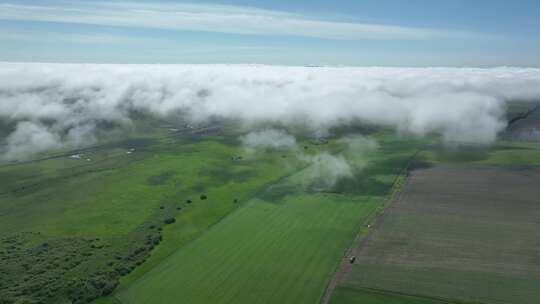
point(458, 232)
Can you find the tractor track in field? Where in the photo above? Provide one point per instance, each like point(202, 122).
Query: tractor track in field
point(374, 220)
point(345, 266)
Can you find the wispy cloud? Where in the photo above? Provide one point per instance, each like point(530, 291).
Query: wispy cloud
point(218, 18)
point(49, 36)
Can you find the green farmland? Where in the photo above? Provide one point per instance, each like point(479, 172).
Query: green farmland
point(101, 218)
point(265, 252)
point(280, 247)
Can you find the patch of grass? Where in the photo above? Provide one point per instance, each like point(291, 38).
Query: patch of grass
point(450, 154)
point(514, 154)
point(161, 178)
point(502, 153)
point(277, 192)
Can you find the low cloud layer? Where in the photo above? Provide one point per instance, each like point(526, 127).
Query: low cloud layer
point(49, 105)
point(326, 169)
point(269, 139)
point(28, 134)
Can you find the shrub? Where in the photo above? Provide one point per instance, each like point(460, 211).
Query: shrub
point(169, 220)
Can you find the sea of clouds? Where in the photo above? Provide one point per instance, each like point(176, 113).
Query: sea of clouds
point(52, 106)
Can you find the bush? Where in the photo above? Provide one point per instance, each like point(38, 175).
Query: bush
point(169, 220)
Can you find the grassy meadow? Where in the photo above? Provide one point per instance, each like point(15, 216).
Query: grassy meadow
point(99, 212)
point(111, 222)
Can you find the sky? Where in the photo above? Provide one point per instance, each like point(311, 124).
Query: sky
point(416, 33)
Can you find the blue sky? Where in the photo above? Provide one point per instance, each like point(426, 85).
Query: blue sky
point(477, 33)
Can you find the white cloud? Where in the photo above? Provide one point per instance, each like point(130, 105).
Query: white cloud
point(269, 139)
point(359, 144)
point(218, 18)
point(48, 36)
point(69, 101)
point(28, 139)
point(325, 170)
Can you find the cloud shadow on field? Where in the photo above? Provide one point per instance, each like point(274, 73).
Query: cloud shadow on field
point(162, 178)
